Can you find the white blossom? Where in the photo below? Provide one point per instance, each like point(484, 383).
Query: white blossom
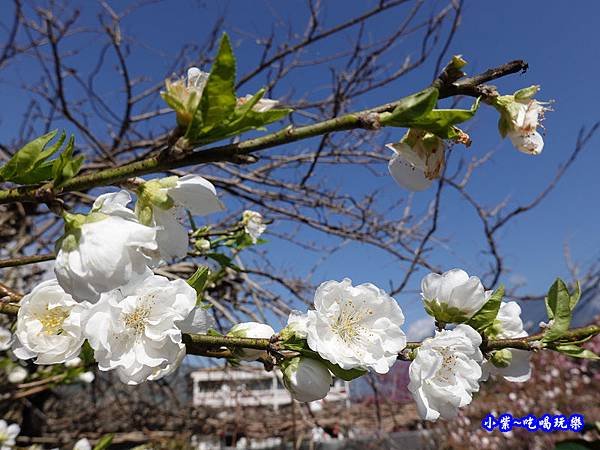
point(49, 325)
point(355, 326)
point(135, 330)
point(306, 379)
point(103, 250)
point(520, 116)
point(263, 105)
point(184, 94)
point(514, 363)
point(5, 339)
point(162, 204)
point(82, 444)
point(8, 435)
point(254, 224)
point(446, 372)
point(531, 143)
point(418, 159)
point(453, 296)
point(251, 330)
point(17, 374)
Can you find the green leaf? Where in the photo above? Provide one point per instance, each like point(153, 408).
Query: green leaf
point(412, 107)
point(104, 442)
point(441, 121)
point(243, 119)
point(574, 298)
point(487, 314)
point(213, 332)
point(344, 374)
point(65, 166)
point(87, 354)
point(558, 302)
point(218, 98)
point(198, 280)
point(223, 260)
point(576, 351)
point(29, 165)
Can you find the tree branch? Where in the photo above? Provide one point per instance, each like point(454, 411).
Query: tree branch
point(237, 153)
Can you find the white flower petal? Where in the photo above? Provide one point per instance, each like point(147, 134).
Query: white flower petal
point(408, 175)
point(49, 325)
point(445, 372)
point(196, 194)
point(135, 330)
point(355, 326)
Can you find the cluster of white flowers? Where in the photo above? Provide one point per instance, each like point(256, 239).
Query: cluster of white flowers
point(105, 291)
point(352, 327)
point(448, 367)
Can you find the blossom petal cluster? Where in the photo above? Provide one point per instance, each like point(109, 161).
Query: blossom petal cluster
point(104, 250)
point(254, 225)
point(454, 296)
point(520, 117)
point(351, 327)
point(251, 330)
point(134, 330)
point(445, 372)
point(106, 293)
point(162, 203)
point(355, 326)
point(49, 325)
point(418, 159)
point(8, 435)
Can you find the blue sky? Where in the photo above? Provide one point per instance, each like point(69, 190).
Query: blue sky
point(560, 44)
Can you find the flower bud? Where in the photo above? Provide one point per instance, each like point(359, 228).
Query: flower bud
point(17, 374)
point(502, 358)
point(306, 379)
point(296, 326)
point(453, 297)
point(251, 330)
point(5, 339)
point(86, 377)
point(184, 94)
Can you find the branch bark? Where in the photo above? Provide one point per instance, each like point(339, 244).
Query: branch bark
point(365, 119)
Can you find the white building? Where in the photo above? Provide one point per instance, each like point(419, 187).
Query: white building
point(250, 386)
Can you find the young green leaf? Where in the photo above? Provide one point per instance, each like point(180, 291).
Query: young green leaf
point(65, 166)
point(29, 165)
point(441, 121)
point(558, 301)
point(412, 107)
point(218, 98)
point(198, 280)
point(104, 442)
point(488, 312)
point(576, 351)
